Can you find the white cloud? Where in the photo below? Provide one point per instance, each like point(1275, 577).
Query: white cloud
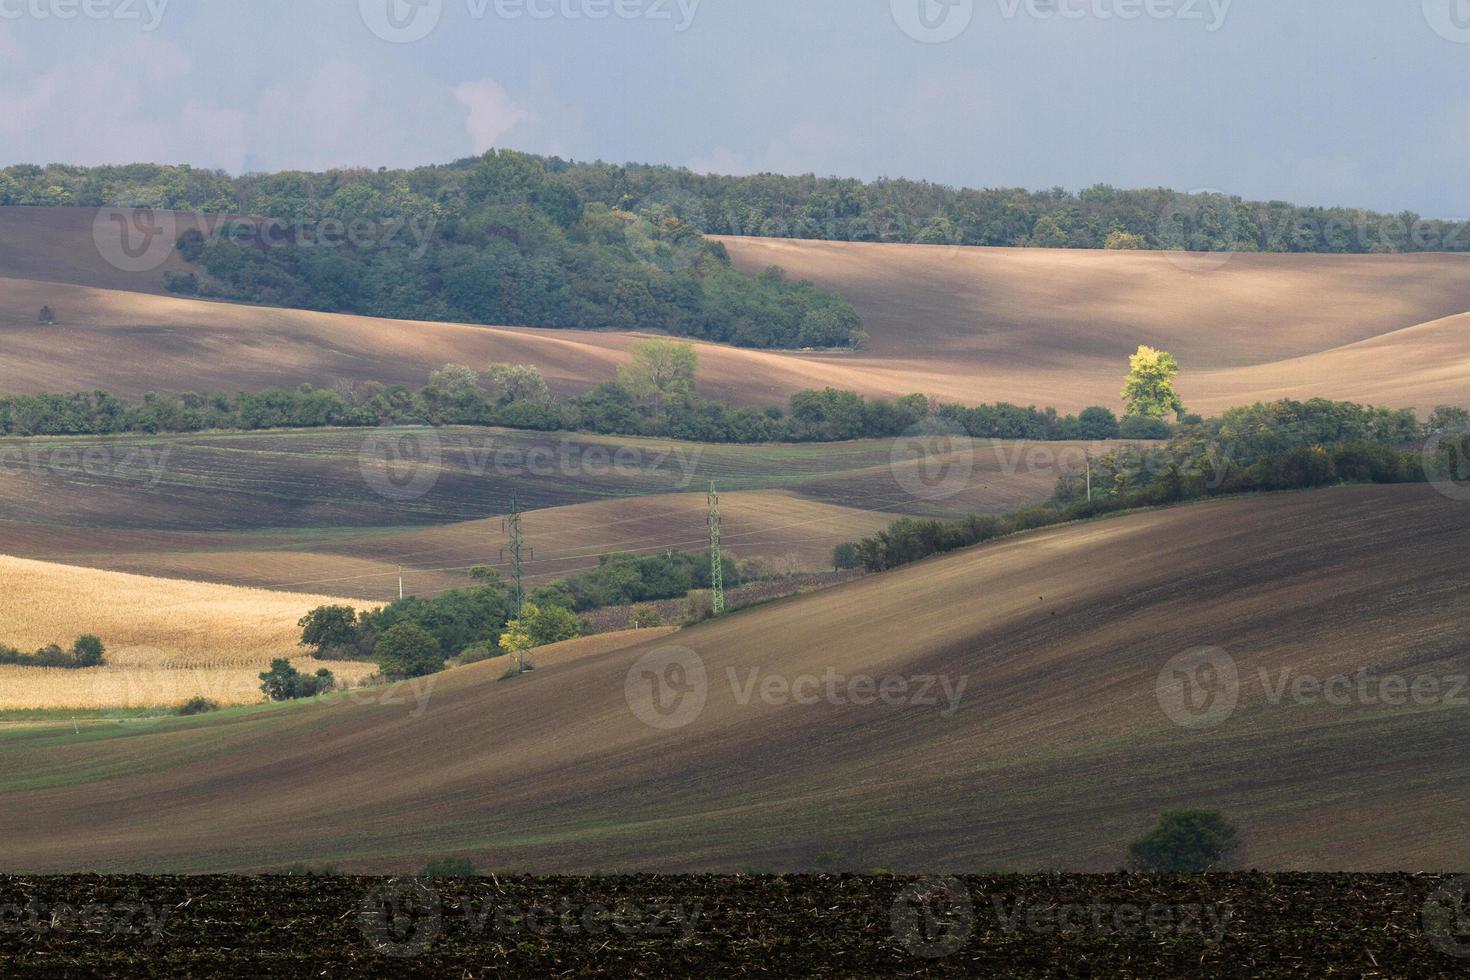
point(491, 112)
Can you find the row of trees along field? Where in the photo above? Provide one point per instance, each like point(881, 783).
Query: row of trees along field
point(1282, 445)
point(669, 200)
point(654, 396)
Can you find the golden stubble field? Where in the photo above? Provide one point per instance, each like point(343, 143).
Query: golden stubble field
point(167, 640)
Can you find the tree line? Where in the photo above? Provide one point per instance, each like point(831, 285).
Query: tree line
point(87, 651)
point(654, 396)
point(770, 205)
point(1283, 445)
point(499, 239)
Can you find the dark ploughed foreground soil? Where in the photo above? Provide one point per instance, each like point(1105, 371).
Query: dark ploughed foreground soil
point(1245, 925)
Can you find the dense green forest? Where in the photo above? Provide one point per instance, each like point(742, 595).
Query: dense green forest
point(502, 239)
point(473, 196)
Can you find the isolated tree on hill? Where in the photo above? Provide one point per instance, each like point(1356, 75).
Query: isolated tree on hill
point(1149, 390)
point(408, 650)
point(48, 315)
point(1187, 842)
point(661, 370)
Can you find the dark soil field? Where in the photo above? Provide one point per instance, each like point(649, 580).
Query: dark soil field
point(1130, 926)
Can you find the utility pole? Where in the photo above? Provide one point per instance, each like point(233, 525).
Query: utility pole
point(400, 581)
point(1089, 476)
point(716, 560)
point(512, 525)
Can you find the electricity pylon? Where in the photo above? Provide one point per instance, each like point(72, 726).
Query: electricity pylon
point(716, 560)
point(512, 526)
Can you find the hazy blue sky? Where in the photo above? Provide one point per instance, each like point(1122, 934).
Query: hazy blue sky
point(1315, 101)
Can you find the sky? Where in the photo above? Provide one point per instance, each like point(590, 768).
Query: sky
point(1353, 102)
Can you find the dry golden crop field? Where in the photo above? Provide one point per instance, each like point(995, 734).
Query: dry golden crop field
point(167, 640)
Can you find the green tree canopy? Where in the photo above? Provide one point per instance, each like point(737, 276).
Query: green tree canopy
point(1188, 842)
point(408, 650)
point(1149, 389)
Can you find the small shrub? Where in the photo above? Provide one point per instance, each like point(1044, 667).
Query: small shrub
point(299, 870)
point(476, 654)
point(285, 683)
point(198, 706)
point(699, 605)
point(448, 868)
point(1187, 842)
point(645, 617)
point(1143, 427)
point(48, 315)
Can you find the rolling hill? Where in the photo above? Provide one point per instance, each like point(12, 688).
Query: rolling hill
point(1031, 326)
point(299, 509)
point(1056, 752)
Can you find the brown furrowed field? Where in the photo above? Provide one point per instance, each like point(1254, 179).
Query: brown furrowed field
point(167, 641)
point(1057, 751)
point(1030, 326)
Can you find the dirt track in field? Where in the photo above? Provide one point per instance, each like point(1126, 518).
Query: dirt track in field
point(1057, 754)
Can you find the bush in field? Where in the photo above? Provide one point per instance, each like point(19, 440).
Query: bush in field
point(448, 868)
point(408, 650)
point(1143, 427)
point(645, 617)
point(48, 315)
point(1187, 842)
point(284, 682)
point(198, 706)
point(1098, 423)
point(88, 651)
